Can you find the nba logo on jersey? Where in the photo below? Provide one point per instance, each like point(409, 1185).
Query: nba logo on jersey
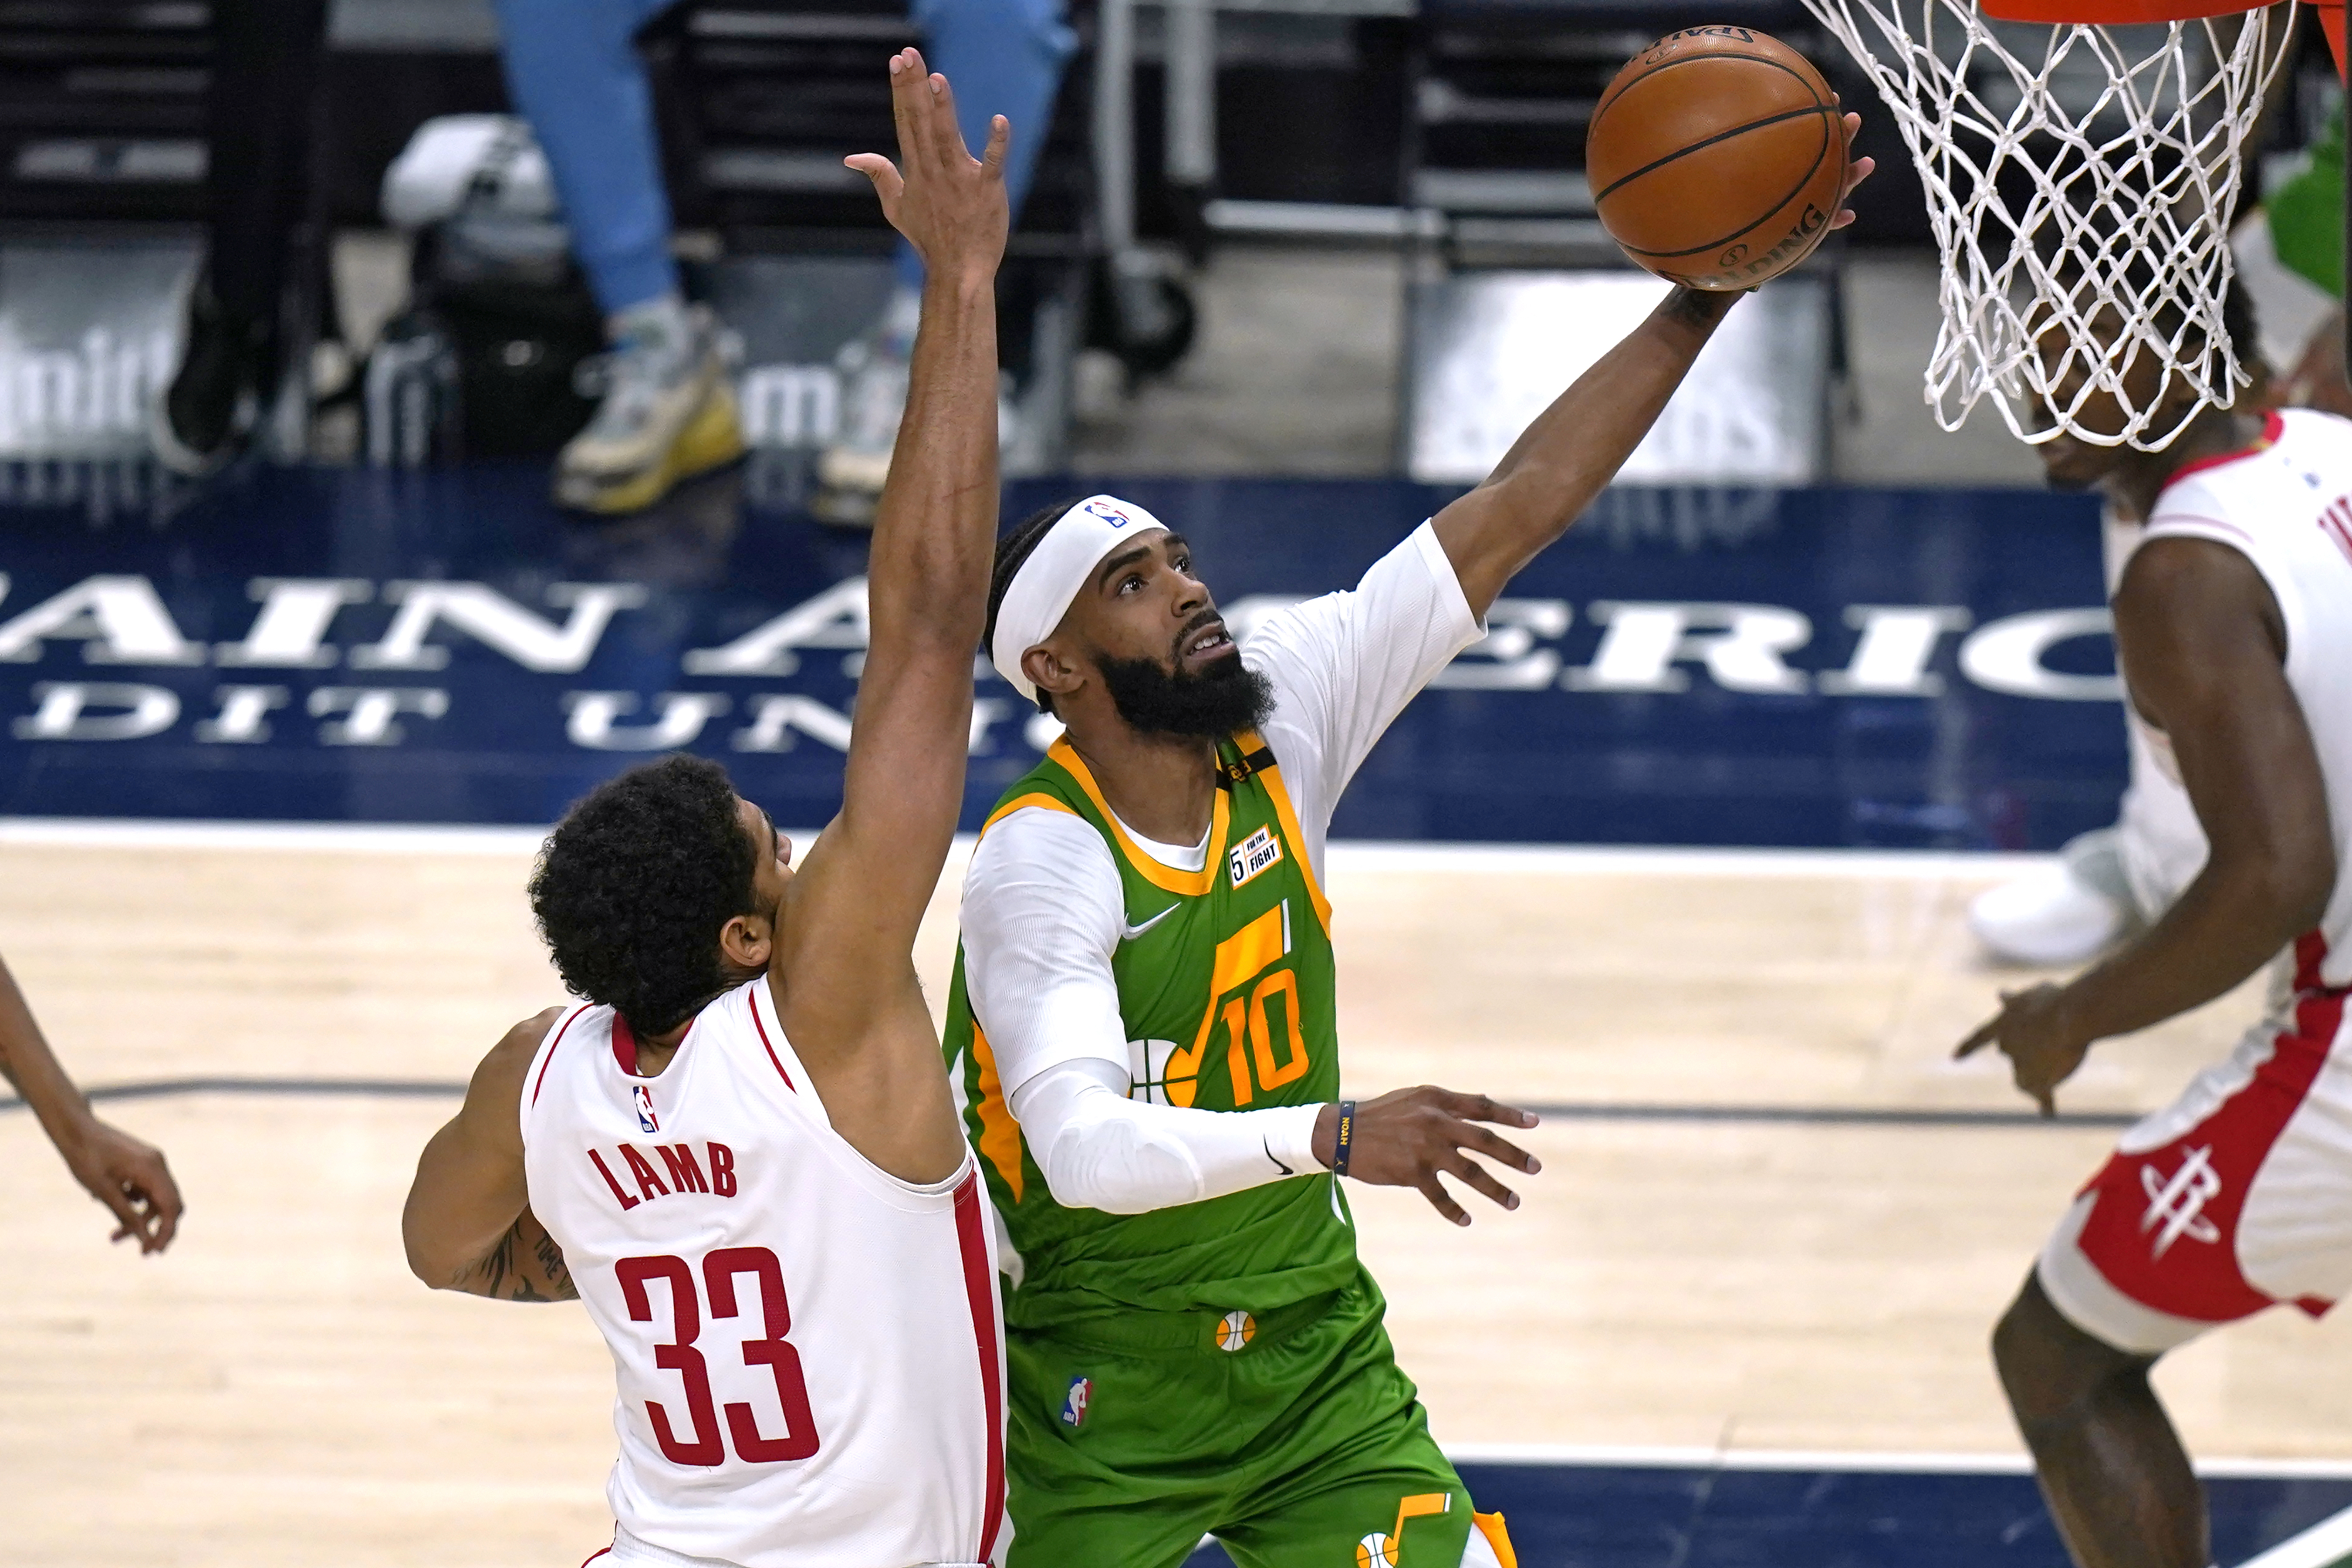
point(646, 1108)
point(1074, 1408)
point(1253, 855)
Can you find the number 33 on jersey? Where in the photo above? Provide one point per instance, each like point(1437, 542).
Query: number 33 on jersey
point(794, 1332)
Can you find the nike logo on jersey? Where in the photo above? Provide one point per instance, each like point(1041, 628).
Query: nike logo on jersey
point(1128, 933)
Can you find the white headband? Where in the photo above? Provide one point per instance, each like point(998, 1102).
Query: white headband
point(1042, 591)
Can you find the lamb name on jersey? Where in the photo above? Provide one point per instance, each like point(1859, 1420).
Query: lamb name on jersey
point(808, 1350)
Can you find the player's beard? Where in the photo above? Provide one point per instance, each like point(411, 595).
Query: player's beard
point(1226, 697)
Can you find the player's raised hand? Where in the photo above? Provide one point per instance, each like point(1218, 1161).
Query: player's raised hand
point(951, 205)
point(129, 1176)
point(1407, 1137)
point(1856, 172)
point(2034, 1032)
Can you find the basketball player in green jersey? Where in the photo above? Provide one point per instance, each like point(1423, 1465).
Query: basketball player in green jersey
point(1142, 1025)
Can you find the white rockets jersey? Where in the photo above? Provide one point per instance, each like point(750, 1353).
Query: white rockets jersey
point(2286, 505)
point(809, 1352)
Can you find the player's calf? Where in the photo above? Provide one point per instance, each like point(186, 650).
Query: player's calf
point(2113, 1470)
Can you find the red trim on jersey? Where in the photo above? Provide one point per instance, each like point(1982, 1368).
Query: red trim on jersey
point(550, 1060)
point(2273, 428)
point(980, 1285)
point(606, 1552)
point(625, 1045)
point(2336, 527)
point(771, 1050)
point(2310, 957)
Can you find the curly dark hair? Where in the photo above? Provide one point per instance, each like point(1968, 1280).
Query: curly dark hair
point(1018, 545)
point(632, 887)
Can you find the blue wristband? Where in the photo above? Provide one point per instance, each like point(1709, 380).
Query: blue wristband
point(1346, 1135)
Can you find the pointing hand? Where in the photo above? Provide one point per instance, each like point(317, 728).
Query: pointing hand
point(2035, 1031)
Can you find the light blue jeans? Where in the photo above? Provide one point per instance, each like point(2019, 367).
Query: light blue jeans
point(574, 72)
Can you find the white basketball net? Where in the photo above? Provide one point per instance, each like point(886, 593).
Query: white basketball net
point(2075, 174)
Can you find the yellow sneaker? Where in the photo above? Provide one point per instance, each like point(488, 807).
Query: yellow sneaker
point(668, 415)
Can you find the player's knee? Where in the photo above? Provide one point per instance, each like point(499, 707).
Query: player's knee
point(2049, 1368)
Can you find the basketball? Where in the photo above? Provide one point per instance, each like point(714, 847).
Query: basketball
point(1716, 158)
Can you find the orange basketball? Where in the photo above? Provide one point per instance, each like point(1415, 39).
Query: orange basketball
point(1716, 158)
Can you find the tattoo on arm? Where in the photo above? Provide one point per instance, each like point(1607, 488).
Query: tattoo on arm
point(525, 1266)
point(552, 1269)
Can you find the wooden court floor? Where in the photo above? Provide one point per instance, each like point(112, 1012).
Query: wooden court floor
point(277, 1391)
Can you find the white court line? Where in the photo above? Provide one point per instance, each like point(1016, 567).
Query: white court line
point(2324, 1545)
point(110, 833)
point(1929, 1463)
point(1345, 855)
point(1649, 860)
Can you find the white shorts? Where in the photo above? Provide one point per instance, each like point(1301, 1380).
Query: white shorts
point(2235, 1197)
point(629, 1552)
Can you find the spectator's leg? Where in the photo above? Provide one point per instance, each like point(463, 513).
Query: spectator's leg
point(572, 70)
point(1003, 56)
point(260, 113)
point(668, 411)
point(263, 103)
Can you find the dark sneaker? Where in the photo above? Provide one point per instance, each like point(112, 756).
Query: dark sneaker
point(208, 413)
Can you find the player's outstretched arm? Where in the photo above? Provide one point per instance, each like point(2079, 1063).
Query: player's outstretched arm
point(843, 969)
point(125, 1174)
point(467, 1223)
point(2203, 651)
point(1576, 446)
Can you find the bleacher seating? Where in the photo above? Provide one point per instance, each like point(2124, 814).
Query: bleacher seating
point(103, 109)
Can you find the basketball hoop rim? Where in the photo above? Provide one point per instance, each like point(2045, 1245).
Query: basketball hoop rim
point(2142, 12)
point(2112, 13)
point(2115, 13)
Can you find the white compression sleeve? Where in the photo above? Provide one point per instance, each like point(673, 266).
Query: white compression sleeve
point(1100, 1150)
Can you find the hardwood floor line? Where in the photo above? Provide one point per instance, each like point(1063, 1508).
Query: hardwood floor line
point(1597, 1110)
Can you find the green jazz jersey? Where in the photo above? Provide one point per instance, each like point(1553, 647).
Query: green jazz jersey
point(1226, 987)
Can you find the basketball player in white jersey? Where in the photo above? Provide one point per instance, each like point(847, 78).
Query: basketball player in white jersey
point(740, 1154)
point(2114, 881)
point(2234, 628)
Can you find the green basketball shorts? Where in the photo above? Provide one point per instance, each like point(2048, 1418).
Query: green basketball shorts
point(1292, 1435)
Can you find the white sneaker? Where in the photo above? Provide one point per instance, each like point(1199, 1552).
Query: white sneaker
point(668, 413)
point(2061, 916)
point(875, 371)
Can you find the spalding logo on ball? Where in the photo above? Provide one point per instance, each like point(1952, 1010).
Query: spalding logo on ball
point(1718, 158)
